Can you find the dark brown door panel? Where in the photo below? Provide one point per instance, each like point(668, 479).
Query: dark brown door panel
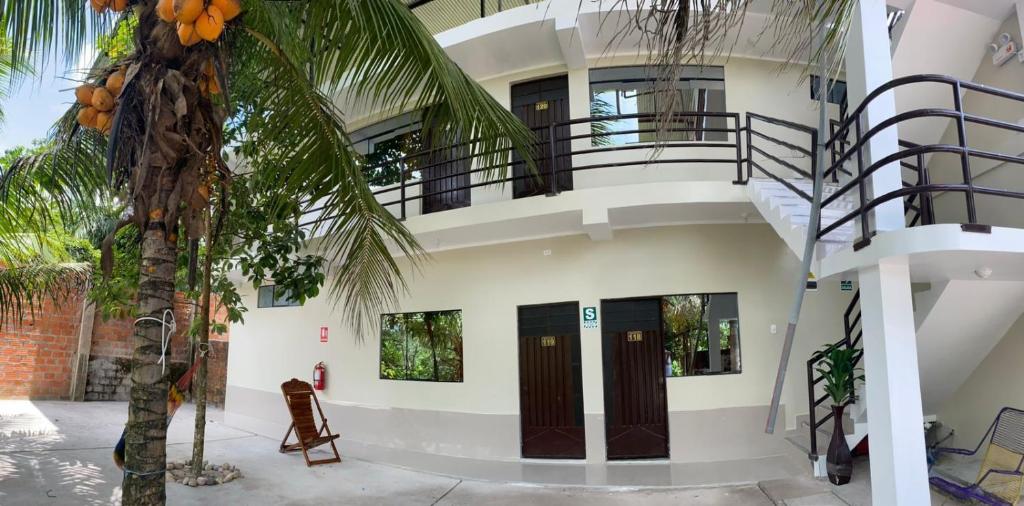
point(636, 413)
point(550, 382)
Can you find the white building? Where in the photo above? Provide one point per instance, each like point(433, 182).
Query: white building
point(633, 305)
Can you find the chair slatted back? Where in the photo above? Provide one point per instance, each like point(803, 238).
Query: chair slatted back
point(299, 396)
point(1005, 452)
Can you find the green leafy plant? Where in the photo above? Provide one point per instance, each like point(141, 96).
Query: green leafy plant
point(838, 367)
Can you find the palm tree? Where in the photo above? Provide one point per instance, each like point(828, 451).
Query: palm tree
point(281, 66)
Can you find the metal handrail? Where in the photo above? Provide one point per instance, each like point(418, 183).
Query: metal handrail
point(922, 190)
point(852, 333)
point(549, 138)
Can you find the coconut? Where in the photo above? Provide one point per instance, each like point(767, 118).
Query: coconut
point(102, 100)
point(115, 82)
point(104, 120)
point(87, 117)
point(83, 94)
point(99, 5)
point(165, 10)
point(229, 8)
point(117, 5)
point(210, 23)
point(186, 11)
point(187, 35)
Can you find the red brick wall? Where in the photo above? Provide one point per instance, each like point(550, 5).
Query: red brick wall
point(36, 356)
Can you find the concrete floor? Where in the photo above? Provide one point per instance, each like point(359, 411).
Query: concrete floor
point(58, 453)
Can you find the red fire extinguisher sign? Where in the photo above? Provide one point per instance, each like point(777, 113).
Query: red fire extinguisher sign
point(323, 334)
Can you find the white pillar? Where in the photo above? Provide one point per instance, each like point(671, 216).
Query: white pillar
point(868, 66)
point(899, 471)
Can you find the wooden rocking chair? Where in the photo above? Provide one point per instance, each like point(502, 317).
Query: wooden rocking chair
point(1000, 478)
point(300, 397)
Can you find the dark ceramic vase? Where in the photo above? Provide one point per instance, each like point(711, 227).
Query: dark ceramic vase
point(839, 463)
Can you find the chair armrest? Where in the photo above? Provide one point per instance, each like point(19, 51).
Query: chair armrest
point(955, 451)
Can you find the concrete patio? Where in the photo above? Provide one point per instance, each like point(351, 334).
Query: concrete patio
point(59, 453)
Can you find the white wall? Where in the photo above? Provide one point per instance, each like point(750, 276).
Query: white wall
point(997, 211)
point(488, 283)
point(994, 384)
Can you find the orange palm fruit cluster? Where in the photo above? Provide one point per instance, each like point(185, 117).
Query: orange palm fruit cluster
point(100, 102)
point(197, 20)
point(101, 6)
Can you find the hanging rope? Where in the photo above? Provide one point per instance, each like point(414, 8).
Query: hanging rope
point(167, 328)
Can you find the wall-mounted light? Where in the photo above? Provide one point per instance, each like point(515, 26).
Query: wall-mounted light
point(1003, 49)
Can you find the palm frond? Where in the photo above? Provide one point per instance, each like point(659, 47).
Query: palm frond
point(376, 54)
point(303, 150)
point(38, 29)
point(378, 51)
point(25, 288)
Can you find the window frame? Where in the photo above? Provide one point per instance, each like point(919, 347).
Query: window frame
point(274, 298)
point(689, 74)
point(739, 346)
point(380, 349)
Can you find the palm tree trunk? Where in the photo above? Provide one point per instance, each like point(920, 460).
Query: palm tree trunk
point(145, 442)
point(199, 439)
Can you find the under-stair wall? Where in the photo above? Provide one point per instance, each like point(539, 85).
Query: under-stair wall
point(958, 323)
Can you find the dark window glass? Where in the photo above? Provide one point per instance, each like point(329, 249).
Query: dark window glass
point(618, 91)
point(837, 93)
point(702, 334)
point(421, 346)
point(386, 145)
point(273, 296)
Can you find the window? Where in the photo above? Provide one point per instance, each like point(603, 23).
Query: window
point(273, 296)
point(702, 334)
point(385, 144)
point(836, 92)
point(619, 91)
point(421, 346)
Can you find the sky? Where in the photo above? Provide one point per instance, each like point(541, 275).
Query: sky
point(39, 101)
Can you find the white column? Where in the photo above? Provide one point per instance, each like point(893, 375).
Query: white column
point(868, 66)
point(899, 472)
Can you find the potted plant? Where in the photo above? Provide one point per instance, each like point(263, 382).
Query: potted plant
point(839, 371)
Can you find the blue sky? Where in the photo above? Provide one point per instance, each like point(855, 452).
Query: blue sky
point(37, 103)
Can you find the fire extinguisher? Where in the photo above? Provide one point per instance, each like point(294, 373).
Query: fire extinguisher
point(319, 376)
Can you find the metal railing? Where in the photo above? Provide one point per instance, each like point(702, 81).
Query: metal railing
point(761, 143)
point(851, 152)
point(559, 152)
point(852, 334)
point(441, 15)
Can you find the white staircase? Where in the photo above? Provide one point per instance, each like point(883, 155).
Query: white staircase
point(789, 214)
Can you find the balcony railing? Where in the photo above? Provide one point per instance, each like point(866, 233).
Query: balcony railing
point(442, 178)
point(849, 170)
point(441, 15)
point(715, 146)
point(919, 193)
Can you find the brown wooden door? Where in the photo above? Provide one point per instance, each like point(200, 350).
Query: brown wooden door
point(636, 415)
point(445, 180)
point(550, 382)
point(539, 104)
